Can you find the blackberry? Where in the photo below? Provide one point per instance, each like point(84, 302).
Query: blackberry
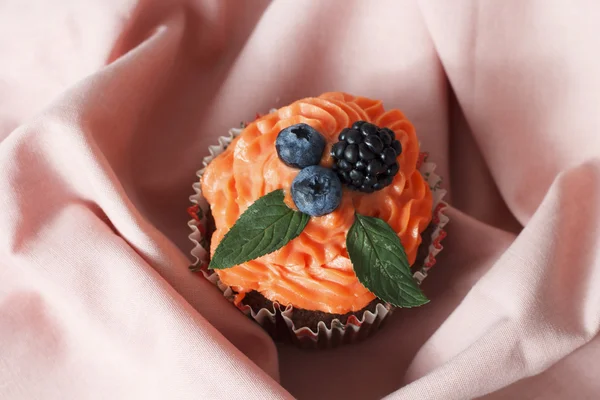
point(366, 156)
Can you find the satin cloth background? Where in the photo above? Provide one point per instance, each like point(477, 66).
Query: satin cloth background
point(107, 108)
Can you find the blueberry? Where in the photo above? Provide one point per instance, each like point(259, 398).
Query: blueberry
point(300, 145)
point(316, 190)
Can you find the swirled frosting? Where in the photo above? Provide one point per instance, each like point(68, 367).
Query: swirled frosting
point(313, 271)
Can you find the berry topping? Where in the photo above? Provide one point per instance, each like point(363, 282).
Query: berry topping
point(375, 167)
point(344, 165)
point(388, 156)
point(393, 170)
point(364, 152)
point(386, 138)
point(374, 143)
point(353, 136)
point(316, 191)
point(338, 149)
point(351, 153)
point(397, 147)
point(360, 165)
point(366, 156)
point(357, 125)
point(390, 133)
point(368, 129)
point(300, 146)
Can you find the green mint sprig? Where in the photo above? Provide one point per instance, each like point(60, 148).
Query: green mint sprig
point(267, 225)
point(380, 262)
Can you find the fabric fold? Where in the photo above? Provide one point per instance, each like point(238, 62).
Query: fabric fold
point(107, 109)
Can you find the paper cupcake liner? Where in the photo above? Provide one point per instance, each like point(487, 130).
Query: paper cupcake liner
point(277, 321)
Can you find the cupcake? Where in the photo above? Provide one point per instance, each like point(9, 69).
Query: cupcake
point(319, 218)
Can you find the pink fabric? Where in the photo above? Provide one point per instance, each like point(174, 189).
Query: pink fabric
point(107, 107)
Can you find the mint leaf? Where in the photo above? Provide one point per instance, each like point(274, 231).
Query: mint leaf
point(267, 225)
point(380, 262)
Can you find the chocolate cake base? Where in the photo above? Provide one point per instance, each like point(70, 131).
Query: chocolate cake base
point(306, 318)
point(316, 338)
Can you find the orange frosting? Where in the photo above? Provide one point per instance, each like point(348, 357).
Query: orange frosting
point(313, 271)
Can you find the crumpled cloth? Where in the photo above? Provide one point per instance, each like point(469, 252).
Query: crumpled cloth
point(108, 106)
